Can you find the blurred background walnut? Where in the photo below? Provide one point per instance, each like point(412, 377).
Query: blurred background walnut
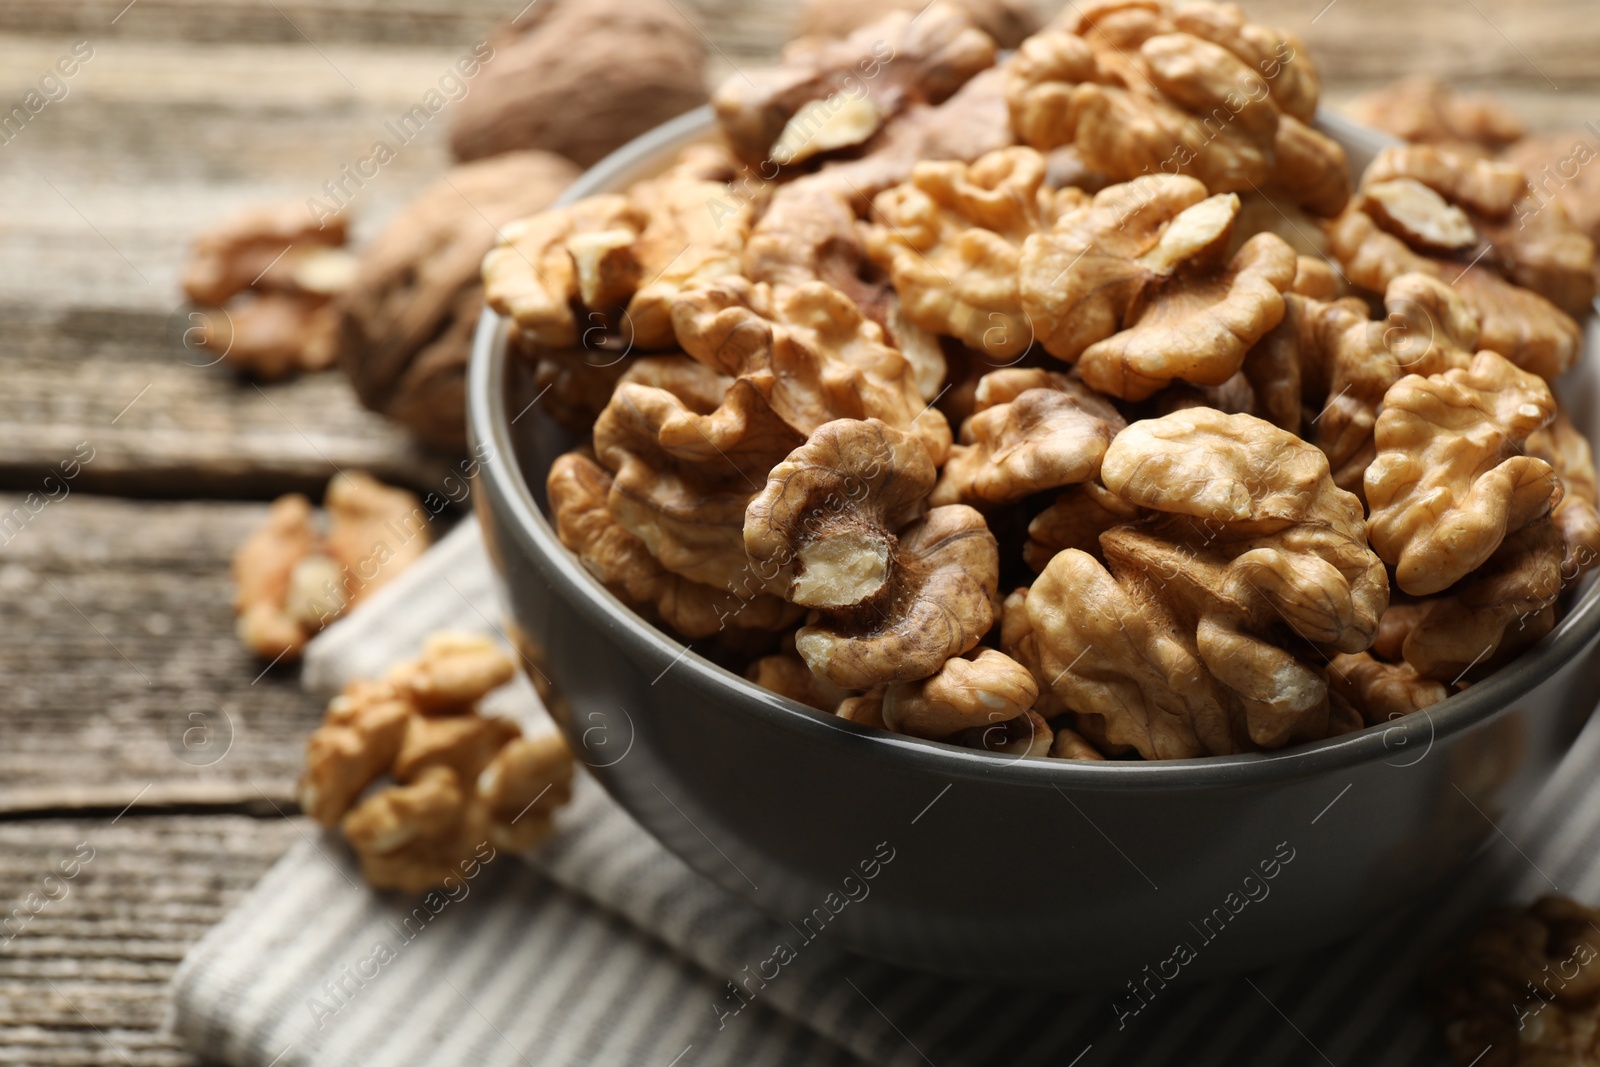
point(1423, 110)
point(581, 78)
point(291, 578)
point(1523, 988)
point(271, 270)
point(1007, 21)
point(406, 323)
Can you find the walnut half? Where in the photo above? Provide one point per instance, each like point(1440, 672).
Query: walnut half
point(464, 782)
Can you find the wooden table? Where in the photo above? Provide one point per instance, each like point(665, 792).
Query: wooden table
point(115, 629)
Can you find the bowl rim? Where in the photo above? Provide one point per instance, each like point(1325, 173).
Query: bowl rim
point(1397, 743)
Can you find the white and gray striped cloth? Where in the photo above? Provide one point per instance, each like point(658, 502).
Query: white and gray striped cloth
point(607, 949)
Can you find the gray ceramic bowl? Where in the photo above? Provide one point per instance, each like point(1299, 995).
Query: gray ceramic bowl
point(1018, 870)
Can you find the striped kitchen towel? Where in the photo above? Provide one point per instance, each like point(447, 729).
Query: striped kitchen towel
point(603, 948)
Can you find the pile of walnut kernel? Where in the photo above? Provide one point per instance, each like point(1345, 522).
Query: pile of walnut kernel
point(1077, 402)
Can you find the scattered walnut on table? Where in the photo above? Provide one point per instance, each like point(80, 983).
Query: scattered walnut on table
point(273, 271)
point(1139, 290)
point(827, 95)
point(1472, 223)
point(580, 78)
point(464, 781)
point(1138, 88)
point(1031, 430)
point(291, 578)
point(1197, 639)
point(1423, 110)
point(1522, 988)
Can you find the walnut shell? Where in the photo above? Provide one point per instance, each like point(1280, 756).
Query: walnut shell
point(405, 324)
point(581, 79)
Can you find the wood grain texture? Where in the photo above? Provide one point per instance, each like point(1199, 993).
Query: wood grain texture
point(118, 628)
point(119, 668)
point(83, 976)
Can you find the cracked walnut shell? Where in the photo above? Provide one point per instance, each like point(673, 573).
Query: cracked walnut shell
point(1452, 479)
point(1143, 88)
point(1138, 289)
point(465, 782)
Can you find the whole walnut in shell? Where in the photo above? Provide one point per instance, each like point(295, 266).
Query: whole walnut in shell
point(580, 78)
point(406, 323)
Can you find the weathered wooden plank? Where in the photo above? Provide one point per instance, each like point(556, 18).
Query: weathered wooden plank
point(116, 387)
point(85, 960)
point(119, 668)
point(731, 23)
